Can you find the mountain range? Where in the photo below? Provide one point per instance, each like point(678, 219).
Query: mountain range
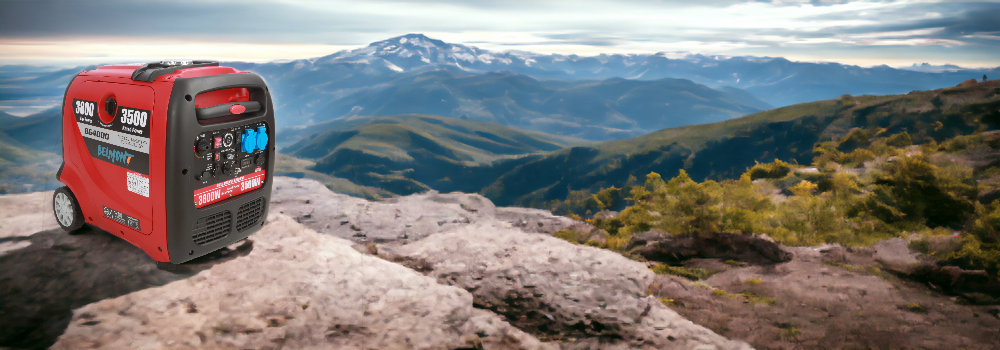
point(777, 81)
point(413, 73)
point(614, 108)
point(715, 151)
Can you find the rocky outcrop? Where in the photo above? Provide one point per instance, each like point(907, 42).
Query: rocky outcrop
point(55, 272)
point(297, 289)
point(659, 246)
point(894, 255)
point(290, 286)
point(407, 218)
point(584, 296)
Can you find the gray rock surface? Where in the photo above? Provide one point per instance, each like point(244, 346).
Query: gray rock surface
point(894, 254)
point(829, 297)
point(590, 297)
point(453, 271)
point(26, 213)
point(297, 289)
point(407, 218)
point(57, 272)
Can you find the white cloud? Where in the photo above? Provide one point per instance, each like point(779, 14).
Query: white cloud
point(317, 28)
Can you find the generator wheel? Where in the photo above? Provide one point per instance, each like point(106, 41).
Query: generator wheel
point(67, 209)
point(165, 266)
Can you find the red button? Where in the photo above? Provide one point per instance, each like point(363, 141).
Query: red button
point(218, 142)
point(237, 109)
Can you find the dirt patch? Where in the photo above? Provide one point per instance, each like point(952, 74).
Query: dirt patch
point(829, 298)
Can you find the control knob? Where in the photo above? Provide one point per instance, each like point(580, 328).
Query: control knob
point(204, 145)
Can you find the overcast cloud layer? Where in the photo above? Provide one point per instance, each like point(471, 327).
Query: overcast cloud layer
point(855, 32)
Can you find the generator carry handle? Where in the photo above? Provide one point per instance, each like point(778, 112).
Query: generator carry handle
point(186, 89)
point(226, 109)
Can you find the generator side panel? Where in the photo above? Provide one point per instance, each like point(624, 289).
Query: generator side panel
point(106, 139)
point(219, 171)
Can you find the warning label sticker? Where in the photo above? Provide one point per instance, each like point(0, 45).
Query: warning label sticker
point(138, 183)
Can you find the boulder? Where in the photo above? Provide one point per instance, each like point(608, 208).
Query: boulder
point(580, 295)
point(894, 254)
point(757, 249)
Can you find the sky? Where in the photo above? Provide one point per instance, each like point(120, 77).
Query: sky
point(865, 33)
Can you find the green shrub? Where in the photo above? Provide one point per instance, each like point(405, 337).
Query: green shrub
point(571, 235)
point(986, 227)
point(961, 143)
point(974, 255)
point(775, 170)
point(856, 139)
point(921, 245)
point(856, 158)
point(900, 140)
point(924, 197)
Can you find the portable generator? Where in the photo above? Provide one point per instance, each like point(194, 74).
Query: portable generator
point(175, 157)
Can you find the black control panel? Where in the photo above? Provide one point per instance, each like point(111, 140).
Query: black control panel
point(226, 154)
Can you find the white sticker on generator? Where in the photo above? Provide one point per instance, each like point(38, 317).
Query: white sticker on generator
point(138, 183)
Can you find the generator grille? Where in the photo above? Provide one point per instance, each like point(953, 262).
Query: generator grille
point(249, 213)
point(212, 228)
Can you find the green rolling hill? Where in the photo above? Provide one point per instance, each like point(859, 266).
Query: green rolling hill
point(412, 153)
point(405, 154)
point(726, 149)
point(23, 168)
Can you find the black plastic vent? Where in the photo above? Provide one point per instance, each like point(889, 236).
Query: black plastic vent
point(212, 228)
point(249, 214)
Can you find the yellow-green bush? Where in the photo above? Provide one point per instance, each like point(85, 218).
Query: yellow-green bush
point(856, 139)
point(900, 140)
point(774, 170)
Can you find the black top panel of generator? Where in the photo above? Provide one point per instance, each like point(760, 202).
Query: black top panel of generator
point(150, 71)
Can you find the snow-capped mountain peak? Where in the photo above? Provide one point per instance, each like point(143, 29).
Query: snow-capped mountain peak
point(412, 51)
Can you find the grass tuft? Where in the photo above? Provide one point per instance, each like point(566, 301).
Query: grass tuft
point(693, 274)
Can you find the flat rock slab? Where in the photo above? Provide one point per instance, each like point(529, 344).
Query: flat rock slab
point(585, 296)
point(407, 218)
point(55, 272)
point(296, 289)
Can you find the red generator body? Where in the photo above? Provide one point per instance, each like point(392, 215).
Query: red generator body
point(175, 157)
